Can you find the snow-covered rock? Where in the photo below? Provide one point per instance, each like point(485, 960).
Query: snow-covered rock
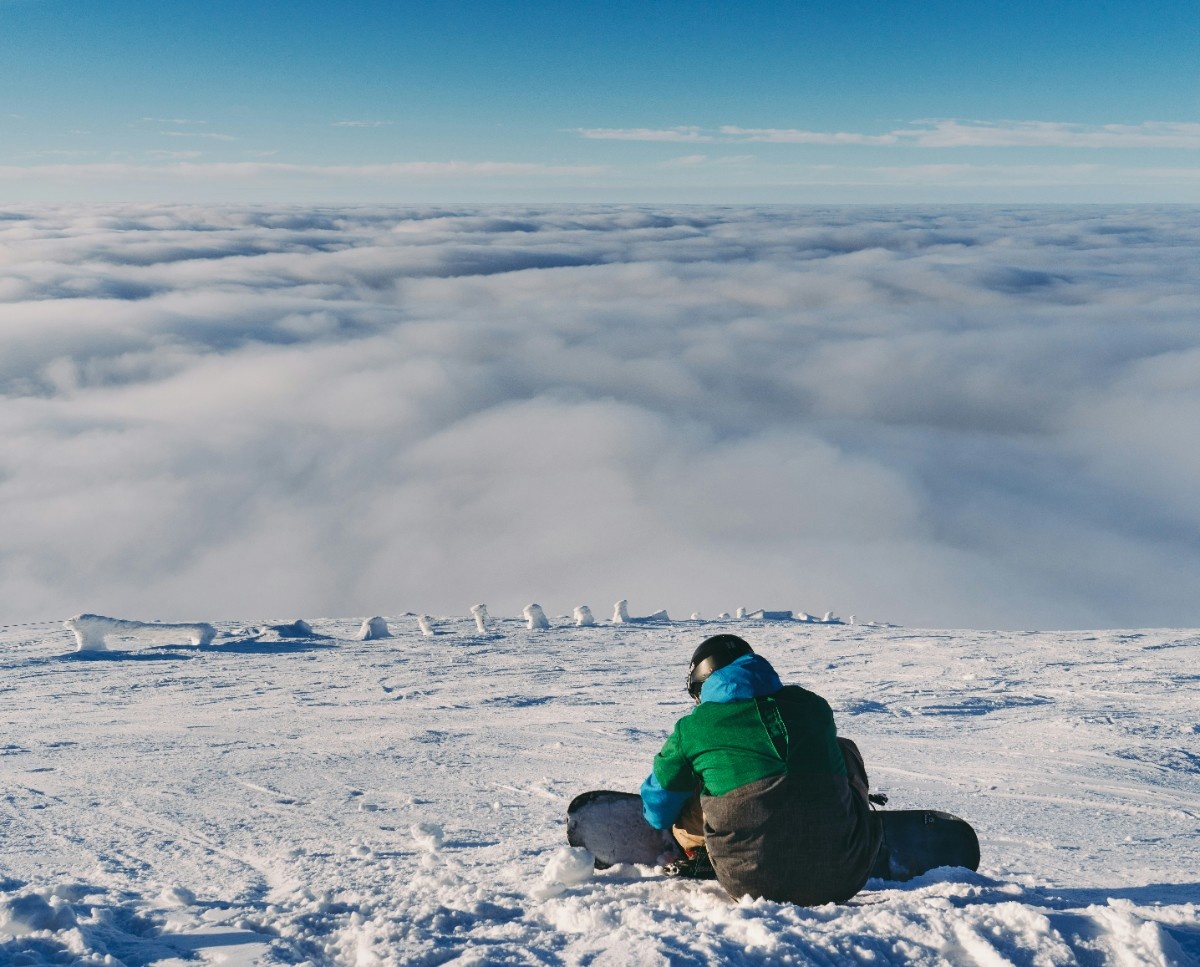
point(480, 613)
point(621, 615)
point(764, 615)
point(374, 629)
point(91, 630)
point(535, 617)
point(583, 617)
point(425, 623)
point(295, 629)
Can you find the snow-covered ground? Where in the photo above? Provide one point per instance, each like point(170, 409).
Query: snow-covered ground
point(330, 800)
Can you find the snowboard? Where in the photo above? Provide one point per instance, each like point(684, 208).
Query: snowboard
point(611, 827)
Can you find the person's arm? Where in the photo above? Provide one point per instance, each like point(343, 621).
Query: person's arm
point(669, 786)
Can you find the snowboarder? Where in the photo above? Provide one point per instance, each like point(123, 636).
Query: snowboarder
point(757, 787)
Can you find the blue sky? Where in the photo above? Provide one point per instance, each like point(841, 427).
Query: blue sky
point(613, 101)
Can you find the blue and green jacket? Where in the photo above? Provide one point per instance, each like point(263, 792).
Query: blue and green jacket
point(781, 819)
point(747, 727)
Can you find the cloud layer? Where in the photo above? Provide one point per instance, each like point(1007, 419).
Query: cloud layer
point(942, 417)
point(939, 133)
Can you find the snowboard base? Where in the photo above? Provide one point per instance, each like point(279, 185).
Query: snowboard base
point(610, 825)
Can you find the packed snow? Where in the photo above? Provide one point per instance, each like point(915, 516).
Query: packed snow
point(279, 799)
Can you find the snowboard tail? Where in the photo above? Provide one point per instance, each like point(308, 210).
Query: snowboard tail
point(916, 841)
point(611, 826)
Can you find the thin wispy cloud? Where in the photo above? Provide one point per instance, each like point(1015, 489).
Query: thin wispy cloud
point(1002, 175)
point(362, 124)
point(704, 160)
point(183, 122)
point(198, 135)
point(1035, 134)
point(648, 134)
point(949, 133)
point(735, 135)
point(265, 170)
point(956, 416)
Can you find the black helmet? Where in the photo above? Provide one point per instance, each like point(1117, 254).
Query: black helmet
point(713, 653)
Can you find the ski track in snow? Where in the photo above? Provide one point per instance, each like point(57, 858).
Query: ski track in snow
point(336, 801)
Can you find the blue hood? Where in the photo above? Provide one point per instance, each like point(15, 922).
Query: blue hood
point(751, 676)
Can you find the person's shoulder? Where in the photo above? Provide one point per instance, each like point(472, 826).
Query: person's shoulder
point(706, 713)
point(799, 696)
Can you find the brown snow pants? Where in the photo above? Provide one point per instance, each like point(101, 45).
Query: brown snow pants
point(689, 826)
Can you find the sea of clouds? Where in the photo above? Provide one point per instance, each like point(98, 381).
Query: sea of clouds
point(961, 416)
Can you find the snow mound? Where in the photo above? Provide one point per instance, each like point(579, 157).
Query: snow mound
point(428, 836)
point(91, 630)
point(570, 865)
point(583, 617)
point(373, 629)
point(177, 896)
point(30, 912)
point(296, 629)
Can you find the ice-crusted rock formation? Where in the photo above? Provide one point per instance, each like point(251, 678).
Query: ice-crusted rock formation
point(91, 630)
point(828, 618)
point(621, 615)
point(583, 617)
point(426, 625)
point(297, 629)
point(536, 617)
point(373, 629)
point(480, 613)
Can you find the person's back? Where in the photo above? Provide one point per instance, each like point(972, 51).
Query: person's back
point(782, 816)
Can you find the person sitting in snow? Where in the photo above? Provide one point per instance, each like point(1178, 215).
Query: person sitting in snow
point(758, 788)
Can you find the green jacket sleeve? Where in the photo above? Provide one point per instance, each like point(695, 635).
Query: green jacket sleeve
point(672, 768)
